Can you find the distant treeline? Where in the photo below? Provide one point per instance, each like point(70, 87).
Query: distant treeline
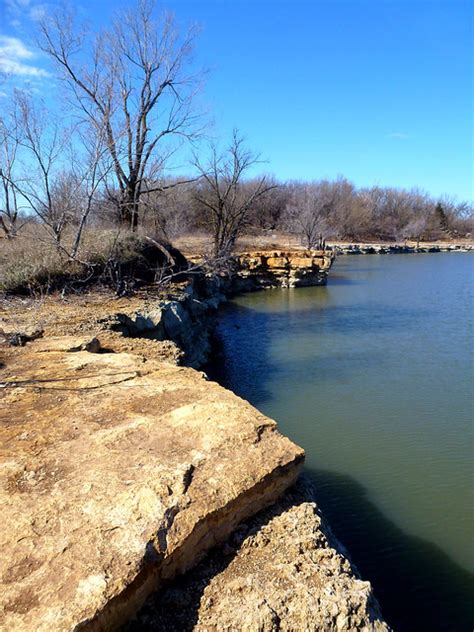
point(331, 209)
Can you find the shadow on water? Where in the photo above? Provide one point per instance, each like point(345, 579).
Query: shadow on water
point(244, 363)
point(418, 586)
point(252, 377)
point(339, 279)
point(277, 315)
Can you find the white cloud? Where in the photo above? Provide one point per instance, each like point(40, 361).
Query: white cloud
point(12, 47)
point(21, 10)
point(398, 135)
point(13, 55)
point(17, 6)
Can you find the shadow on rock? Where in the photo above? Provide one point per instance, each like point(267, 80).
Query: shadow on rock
point(279, 570)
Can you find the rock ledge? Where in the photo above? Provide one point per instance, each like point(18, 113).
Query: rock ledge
point(118, 473)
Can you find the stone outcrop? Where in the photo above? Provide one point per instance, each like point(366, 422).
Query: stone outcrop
point(281, 268)
point(281, 570)
point(119, 472)
point(179, 324)
point(186, 320)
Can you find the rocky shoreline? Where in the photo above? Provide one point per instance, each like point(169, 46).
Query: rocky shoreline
point(398, 249)
point(187, 318)
point(122, 469)
point(283, 569)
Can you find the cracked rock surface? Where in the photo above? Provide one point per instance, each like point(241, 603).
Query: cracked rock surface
point(281, 570)
point(119, 472)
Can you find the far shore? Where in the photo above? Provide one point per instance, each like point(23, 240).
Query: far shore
point(196, 244)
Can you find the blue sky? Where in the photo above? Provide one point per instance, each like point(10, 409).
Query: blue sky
point(377, 90)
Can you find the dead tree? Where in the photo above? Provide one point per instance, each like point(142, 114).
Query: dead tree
point(225, 195)
point(10, 204)
point(307, 213)
point(136, 85)
point(42, 185)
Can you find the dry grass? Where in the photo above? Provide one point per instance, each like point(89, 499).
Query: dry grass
point(199, 243)
point(32, 263)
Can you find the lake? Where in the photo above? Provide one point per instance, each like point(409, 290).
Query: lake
point(373, 376)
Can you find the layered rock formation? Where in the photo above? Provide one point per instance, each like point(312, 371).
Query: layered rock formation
point(281, 570)
point(284, 268)
point(187, 317)
point(117, 474)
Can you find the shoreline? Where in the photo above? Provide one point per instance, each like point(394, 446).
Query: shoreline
point(380, 248)
point(128, 337)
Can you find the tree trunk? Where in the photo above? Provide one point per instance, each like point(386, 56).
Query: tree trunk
point(129, 209)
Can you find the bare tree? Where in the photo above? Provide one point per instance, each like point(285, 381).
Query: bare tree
point(42, 184)
point(170, 213)
point(308, 211)
point(349, 217)
point(136, 86)
point(416, 229)
point(223, 194)
point(88, 176)
point(267, 212)
point(10, 201)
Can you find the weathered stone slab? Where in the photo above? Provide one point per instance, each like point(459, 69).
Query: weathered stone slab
point(68, 344)
point(300, 262)
point(281, 570)
point(116, 473)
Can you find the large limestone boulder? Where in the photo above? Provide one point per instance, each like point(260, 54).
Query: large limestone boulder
point(281, 570)
point(118, 473)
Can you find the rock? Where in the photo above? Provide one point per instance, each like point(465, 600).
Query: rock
point(276, 262)
point(283, 269)
point(149, 321)
point(118, 473)
point(286, 573)
point(68, 344)
point(20, 338)
point(176, 320)
point(301, 262)
point(394, 248)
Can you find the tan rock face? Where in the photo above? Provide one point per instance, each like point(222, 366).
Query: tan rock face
point(68, 344)
point(118, 472)
point(279, 571)
point(286, 268)
point(275, 262)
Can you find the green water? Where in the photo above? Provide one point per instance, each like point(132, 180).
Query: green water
point(373, 376)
